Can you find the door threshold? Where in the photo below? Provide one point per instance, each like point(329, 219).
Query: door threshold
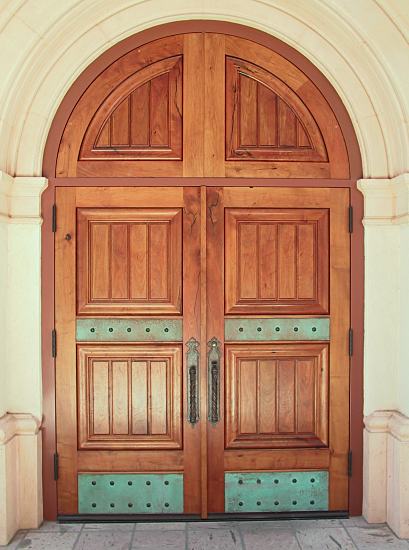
point(145, 518)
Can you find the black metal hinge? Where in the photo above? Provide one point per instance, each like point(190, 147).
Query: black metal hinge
point(350, 219)
point(350, 464)
point(351, 342)
point(54, 343)
point(55, 466)
point(54, 219)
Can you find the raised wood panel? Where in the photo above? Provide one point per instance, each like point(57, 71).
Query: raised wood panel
point(276, 261)
point(277, 395)
point(129, 261)
point(129, 397)
point(141, 118)
point(266, 120)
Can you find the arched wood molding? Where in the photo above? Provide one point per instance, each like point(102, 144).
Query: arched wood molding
point(201, 105)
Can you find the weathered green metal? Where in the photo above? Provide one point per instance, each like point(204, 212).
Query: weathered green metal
point(263, 330)
point(192, 361)
point(130, 493)
point(213, 377)
point(276, 491)
point(129, 330)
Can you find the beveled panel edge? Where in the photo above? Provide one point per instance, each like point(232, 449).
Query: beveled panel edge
point(277, 329)
point(129, 330)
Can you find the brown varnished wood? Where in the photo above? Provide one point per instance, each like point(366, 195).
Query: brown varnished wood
point(129, 461)
point(65, 371)
point(129, 397)
point(129, 261)
point(276, 396)
point(277, 261)
point(276, 459)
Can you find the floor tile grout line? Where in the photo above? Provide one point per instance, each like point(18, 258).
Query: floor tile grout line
point(78, 536)
point(132, 536)
point(349, 536)
point(243, 544)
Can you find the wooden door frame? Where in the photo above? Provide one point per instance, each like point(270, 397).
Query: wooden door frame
point(47, 244)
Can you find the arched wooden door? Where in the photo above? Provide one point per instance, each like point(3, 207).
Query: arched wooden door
point(202, 325)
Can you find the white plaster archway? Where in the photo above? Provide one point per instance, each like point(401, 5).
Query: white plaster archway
point(358, 45)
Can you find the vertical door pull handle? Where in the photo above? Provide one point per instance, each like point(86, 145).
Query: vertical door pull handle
point(192, 363)
point(213, 376)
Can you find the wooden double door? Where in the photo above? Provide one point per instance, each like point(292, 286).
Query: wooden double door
point(202, 359)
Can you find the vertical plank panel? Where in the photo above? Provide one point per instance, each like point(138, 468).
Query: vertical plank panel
point(267, 396)
point(159, 112)
point(268, 260)
point(140, 110)
point(306, 261)
point(286, 396)
point(306, 397)
point(120, 124)
point(214, 110)
point(100, 261)
point(139, 396)
point(104, 138)
point(247, 406)
point(99, 398)
point(193, 104)
point(120, 418)
point(138, 255)
point(287, 124)
point(248, 111)
point(119, 261)
point(303, 140)
point(158, 397)
point(286, 261)
point(267, 116)
point(247, 249)
point(158, 260)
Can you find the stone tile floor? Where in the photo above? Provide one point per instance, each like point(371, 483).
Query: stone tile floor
point(337, 534)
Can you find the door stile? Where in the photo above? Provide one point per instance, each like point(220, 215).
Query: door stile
point(215, 329)
point(66, 383)
point(192, 284)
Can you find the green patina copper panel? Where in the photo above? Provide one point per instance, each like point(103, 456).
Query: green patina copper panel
point(130, 493)
point(276, 491)
point(129, 330)
point(276, 329)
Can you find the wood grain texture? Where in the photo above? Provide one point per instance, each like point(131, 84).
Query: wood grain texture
point(277, 261)
point(115, 412)
point(277, 396)
point(129, 261)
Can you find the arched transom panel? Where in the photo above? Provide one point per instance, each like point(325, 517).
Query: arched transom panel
point(204, 105)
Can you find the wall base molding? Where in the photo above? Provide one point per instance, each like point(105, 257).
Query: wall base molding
point(386, 470)
point(20, 474)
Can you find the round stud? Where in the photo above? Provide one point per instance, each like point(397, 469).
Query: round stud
point(94, 504)
point(148, 483)
point(312, 480)
point(241, 329)
point(314, 329)
point(294, 502)
point(166, 329)
point(240, 503)
point(295, 329)
point(147, 329)
point(148, 504)
point(240, 482)
point(276, 503)
point(166, 482)
point(294, 481)
point(276, 481)
point(259, 481)
point(277, 329)
point(258, 503)
point(258, 329)
point(111, 329)
point(92, 329)
point(130, 505)
point(112, 482)
point(93, 482)
point(128, 329)
point(166, 504)
point(129, 482)
point(312, 501)
point(112, 505)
